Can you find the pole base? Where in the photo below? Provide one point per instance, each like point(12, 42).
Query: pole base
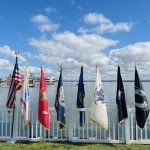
point(12, 141)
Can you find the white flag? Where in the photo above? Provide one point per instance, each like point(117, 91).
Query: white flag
point(99, 111)
point(25, 100)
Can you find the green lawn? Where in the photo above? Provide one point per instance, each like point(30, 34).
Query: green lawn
point(70, 146)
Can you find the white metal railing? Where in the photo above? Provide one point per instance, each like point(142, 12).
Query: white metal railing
point(128, 132)
point(91, 132)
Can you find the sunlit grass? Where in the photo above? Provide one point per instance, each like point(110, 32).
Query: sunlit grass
point(69, 146)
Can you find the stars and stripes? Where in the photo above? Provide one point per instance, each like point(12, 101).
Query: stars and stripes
point(15, 86)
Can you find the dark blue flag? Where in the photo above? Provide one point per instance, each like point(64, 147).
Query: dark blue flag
point(60, 103)
point(120, 99)
point(80, 97)
point(141, 104)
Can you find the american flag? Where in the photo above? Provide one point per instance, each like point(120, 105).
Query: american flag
point(15, 86)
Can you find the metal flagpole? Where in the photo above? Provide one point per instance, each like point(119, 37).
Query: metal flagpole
point(12, 125)
point(29, 129)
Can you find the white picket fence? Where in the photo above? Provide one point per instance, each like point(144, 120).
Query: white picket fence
point(127, 133)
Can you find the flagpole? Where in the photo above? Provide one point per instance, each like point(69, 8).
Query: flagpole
point(12, 125)
point(29, 129)
point(135, 118)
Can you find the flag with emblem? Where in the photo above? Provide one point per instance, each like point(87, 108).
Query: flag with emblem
point(120, 99)
point(99, 111)
point(43, 109)
point(15, 86)
point(60, 103)
point(141, 104)
point(80, 98)
point(25, 100)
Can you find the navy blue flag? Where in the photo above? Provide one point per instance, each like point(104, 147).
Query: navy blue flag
point(120, 99)
point(80, 97)
point(60, 103)
point(141, 104)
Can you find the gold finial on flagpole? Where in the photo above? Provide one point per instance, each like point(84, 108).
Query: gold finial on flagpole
point(96, 65)
point(135, 63)
point(61, 65)
point(41, 66)
point(17, 54)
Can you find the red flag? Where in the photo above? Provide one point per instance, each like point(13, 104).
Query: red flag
point(43, 112)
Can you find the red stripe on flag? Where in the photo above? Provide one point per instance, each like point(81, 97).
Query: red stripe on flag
point(23, 103)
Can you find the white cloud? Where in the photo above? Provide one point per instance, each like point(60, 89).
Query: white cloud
point(72, 50)
point(6, 51)
point(44, 24)
point(127, 56)
point(4, 64)
point(50, 9)
point(69, 47)
point(139, 52)
point(101, 24)
point(5, 67)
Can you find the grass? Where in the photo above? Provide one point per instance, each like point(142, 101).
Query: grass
point(69, 146)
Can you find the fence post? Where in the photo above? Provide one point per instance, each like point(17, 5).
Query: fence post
point(71, 119)
point(127, 127)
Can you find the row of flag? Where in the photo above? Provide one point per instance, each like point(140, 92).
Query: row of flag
point(141, 104)
point(99, 110)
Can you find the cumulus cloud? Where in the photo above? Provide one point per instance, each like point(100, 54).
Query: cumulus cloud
point(5, 64)
point(71, 48)
point(44, 24)
point(139, 52)
point(5, 67)
point(127, 56)
point(101, 24)
point(6, 51)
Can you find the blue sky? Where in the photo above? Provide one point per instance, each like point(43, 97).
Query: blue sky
point(74, 33)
